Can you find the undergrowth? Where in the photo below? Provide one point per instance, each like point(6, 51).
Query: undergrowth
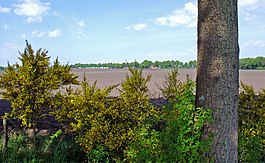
point(251, 144)
point(129, 128)
point(51, 148)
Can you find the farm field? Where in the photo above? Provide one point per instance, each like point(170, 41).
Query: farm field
point(106, 77)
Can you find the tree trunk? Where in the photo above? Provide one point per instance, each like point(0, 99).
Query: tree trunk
point(218, 73)
point(5, 137)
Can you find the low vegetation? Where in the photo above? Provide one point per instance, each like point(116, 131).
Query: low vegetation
point(251, 124)
point(127, 128)
point(145, 64)
point(257, 63)
point(51, 148)
point(30, 86)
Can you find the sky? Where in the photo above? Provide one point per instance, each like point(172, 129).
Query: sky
point(103, 31)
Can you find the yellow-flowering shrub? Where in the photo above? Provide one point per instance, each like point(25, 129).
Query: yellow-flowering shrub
point(102, 122)
point(30, 86)
point(251, 124)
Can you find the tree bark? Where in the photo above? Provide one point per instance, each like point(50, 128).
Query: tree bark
point(218, 74)
point(5, 136)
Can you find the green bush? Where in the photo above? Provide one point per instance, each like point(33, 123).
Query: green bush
point(49, 149)
point(105, 126)
point(179, 138)
point(85, 113)
point(251, 131)
point(129, 128)
point(30, 85)
point(126, 128)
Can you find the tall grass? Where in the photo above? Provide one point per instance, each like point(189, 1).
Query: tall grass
point(53, 148)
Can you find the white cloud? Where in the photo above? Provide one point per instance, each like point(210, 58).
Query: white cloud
point(81, 23)
point(24, 35)
point(34, 19)
point(11, 45)
point(160, 54)
point(138, 27)
point(187, 52)
point(249, 9)
point(253, 43)
point(54, 33)
point(247, 3)
point(32, 9)
point(7, 27)
point(40, 34)
point(56, 13)
point(4, 9)
point(186, 16)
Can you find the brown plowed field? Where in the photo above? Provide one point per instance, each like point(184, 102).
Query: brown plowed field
point(107, 77)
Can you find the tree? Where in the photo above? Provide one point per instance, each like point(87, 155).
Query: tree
point(1, 68)
point(252, 63)
point(30, 86)
point(146, 64)
point(217, 74)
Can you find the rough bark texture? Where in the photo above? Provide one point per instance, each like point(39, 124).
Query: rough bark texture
point(5, 136)
point(218, 74)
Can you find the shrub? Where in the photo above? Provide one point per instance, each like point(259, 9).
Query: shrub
point(83, 112)
point(29, 86)
point(251, 125)
point(104, 125)
point(180, 137)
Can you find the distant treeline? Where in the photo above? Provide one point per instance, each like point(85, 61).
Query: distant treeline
point(145, 64)
point(257, 63)
point(244, 63)
point(252, 63)
point(2, 68)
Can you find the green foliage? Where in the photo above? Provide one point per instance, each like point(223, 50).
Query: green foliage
point(30, 86)
point(100, 154)
point(145, 64)
point(172, 87)
point(180, 137)
point(2, 68)
point(244, 63)
point(104, 125)
point(135, 101)
point(83, 111)
point(50, 149)
point(252, 63)
point(48, 142)
point(125, 128)
point(251, 125)
point(146, 147)
point(185, 127)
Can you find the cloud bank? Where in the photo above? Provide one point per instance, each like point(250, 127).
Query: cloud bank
point(187, 16)
point(32, 9)
point(4, 9)
point(51, 34)
point(138, 27)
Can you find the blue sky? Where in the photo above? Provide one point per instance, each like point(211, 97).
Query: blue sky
point(100, 31)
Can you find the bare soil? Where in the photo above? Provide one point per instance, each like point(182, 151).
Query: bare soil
point(106, 77)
